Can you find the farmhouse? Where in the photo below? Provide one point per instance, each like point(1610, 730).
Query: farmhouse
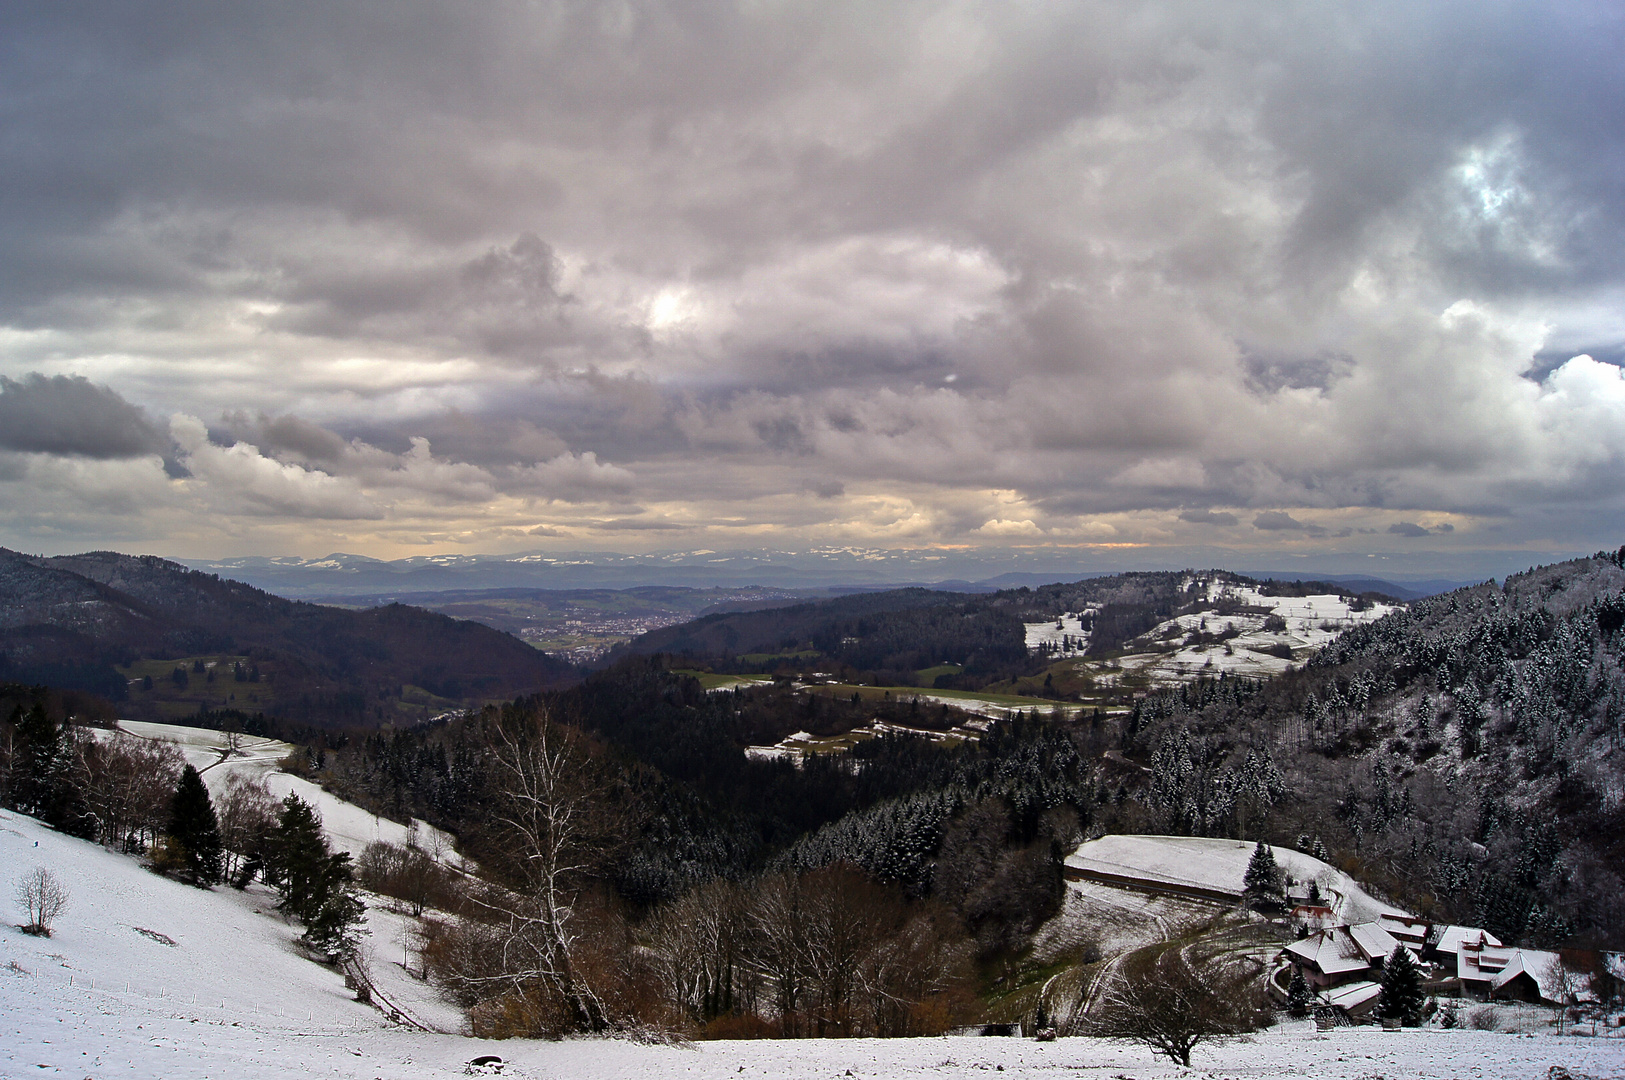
point(1341, 954)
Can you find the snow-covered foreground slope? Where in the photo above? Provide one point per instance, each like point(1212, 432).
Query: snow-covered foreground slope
point(108, 996)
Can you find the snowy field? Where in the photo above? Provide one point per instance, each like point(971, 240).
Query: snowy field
point(1211, 863)
point(1065, 634)
point(1309, 623)
point(349, 828)
point(148, 978)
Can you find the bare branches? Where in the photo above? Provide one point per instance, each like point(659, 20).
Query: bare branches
point(1168, 1000)
point(43, 898)
point(557, 822)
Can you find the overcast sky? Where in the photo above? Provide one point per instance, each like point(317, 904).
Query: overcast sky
point(1262, 279)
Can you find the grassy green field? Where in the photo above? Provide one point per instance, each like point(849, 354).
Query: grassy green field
point(1007, 702)
point(215, 687)
point(713, 681)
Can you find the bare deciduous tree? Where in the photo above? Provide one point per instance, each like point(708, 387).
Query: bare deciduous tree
point(247, 812)
point(1167, 999)
point(128, 784)
point(555, 817)
point(43, 898)
point(697, 945)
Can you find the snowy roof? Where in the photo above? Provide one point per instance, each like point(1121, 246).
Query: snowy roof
point(1218, 865)
point(1353, 995)
point(1454, 938)
point(1543, 968)
point(1373, 941)
point(1330, 951)
point(1406, 928)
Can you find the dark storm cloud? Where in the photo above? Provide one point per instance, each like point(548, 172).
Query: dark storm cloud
point(70, 415)
point(284, 434)
point(1030, 270)
point(1406, 528)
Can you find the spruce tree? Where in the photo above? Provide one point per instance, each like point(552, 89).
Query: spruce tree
point(1262, 883)
point(317, 886)
point(1401, 996)
point(40, 761)
point(1299, 998)
point(194, 829)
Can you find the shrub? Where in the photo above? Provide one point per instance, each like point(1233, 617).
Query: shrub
point(1483, 1018)
point(43, 898)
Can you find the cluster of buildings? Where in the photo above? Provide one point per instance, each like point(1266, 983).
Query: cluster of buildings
point(1343, 963)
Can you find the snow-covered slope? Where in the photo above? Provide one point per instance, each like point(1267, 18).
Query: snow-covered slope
point(349, 828)
point(231, 998)
point(1262, 635)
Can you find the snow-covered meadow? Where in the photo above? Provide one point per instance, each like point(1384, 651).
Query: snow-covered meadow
point(1264, 638)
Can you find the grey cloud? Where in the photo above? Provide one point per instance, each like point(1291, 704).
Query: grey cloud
point(1277, 521)
point(1207, 517)
point(1444, 527)
point(291, 434)
point(1281, 521)
point(1268, 374)
point(827, 489)
point(71, 416)
point(638, 525)
point(1406, 528)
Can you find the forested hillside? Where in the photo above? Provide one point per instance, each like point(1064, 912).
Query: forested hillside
point(1464, 756)
point(75, 621)
point(956, 640)
point(1467, 754)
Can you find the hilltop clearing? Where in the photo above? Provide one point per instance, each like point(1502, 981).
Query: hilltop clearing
point(1096, 642)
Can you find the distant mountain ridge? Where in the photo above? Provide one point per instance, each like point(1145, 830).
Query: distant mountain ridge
point(982, 570)
point(68, 620)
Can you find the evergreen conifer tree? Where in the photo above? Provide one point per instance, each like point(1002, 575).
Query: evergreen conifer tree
point(317, 886)
point(40, 761)
point(1299, 998)
point(194, 828)
point(41, 780)
point(1262, 883)
point(1401, 996)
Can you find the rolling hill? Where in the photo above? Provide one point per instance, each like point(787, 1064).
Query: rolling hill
point(106, 623)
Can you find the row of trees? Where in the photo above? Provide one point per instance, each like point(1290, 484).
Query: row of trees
point(140, 796)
